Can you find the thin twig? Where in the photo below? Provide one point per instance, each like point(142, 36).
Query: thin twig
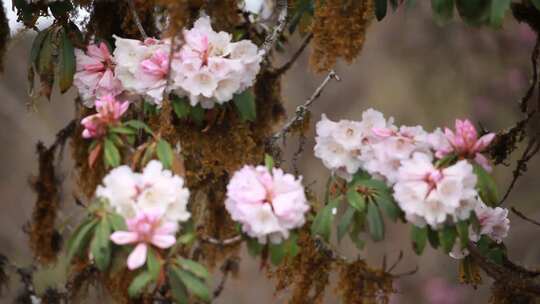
point(325, 249)
point(530, 151)
point(230, 265)
point(302, 109)
point(522, 216)
point(136, 18)
point(534, 81)
point(284, 68)
point(399, 259)
point(224, 242)
point(271, 39)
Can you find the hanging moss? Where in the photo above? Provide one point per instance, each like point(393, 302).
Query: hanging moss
point(339, 29)
point(359, 284)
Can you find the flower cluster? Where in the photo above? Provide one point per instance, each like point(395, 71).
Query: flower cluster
point(152, 202)
point(411, 161)
point(208, 68)
point(267, 203)
point(109, 112)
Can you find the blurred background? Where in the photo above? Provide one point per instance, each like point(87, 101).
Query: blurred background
point(410, 68)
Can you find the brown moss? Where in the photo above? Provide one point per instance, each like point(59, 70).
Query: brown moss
point(359, 284)
point(44, 238)
point(339, 29)
point(503, 294)
point(82, 276)
point(225, 15)
point(180, 12)
point(306, 275)
point(145, 11)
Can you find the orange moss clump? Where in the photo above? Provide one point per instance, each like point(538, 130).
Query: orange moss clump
point(359, 284)
point(225, 16)
point(306, 274)
point(339, 31)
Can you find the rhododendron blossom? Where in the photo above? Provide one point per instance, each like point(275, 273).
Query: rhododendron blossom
point(465, 143)
point(267, 203)
point(145, 229)
point(95, 75)
point(212, 68)
point(154, 190)
point(109, 112)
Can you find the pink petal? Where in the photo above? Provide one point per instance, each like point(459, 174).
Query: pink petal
point(124, 237)
point(382, 132)
point(163, 240)
point(483, 161)
point(167, 228)
point(137, 257)
point(483, 142)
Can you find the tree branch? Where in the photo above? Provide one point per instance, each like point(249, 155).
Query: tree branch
point(522, 216)
point(271, 39)
point(136, 18)
point(284, 68)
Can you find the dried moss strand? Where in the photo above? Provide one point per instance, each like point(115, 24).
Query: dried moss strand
point(137, 19)
point(271, 39)
point(224, 242)
point(301, 110)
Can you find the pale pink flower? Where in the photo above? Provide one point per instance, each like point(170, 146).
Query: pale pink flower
point(267, 204)
point(145, 229)
point(494, 222)
point(95, 76)
point(109, 111)
point(465, 142)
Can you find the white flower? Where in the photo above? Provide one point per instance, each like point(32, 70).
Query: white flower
point(155, 190)
point(263, 8)
point(494, 222)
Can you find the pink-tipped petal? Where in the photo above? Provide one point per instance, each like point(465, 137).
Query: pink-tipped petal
point(137, 257)
point(163, 240)
point(124, 237)
point(382, 132)
point(167, 228)
point(483, 142)
point(483, 161)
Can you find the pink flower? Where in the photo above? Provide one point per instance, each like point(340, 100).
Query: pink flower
point(109, 111)
point(95, 73)
point(143, 230)
point(465, 142)
point(267, 205)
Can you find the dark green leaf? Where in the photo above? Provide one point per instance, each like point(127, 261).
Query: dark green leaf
point(357, 228)
point(112, 155)
point(80, 238)
point(153, 264)
point(197, 114)
point(356, 200)
point(375, 222)
point(193, 284)
point(101, 245)
point(139, 125)
point(447, 238)
point(187, 238)
point(139, 283)
point(178, 289)
point(443, 10)
point(254, 247)
point(474, 12)
point(66, 64)
point(380, 9)
point(345, 223)
point(245, 104)
point(181, 107)
point(117, 141)
point(433, 238)
point(291, 245)
point(60, 9)
point(36, 46)
point(117, 222)
point(164, 153)
point(498, 11)
point(536, 4)
point(486, 186)
point(358, 176)
point(194, 267)
point(388, 204)
point(123, 130)
point(277, 253)
point(322, 225)
point(463, 232)
point(419, 237)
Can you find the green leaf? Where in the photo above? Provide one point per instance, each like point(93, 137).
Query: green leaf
point(322, 224)
point(345, 223)
point(197, 114)
point(178, 289)
point(536, 4)
point(291, 245)
point(443, 10)
point(375, 222)
point(496, 255)
point(357, 228)
point(356, 200)
point(66, 65)
point(117, 141)
point(380, 9)
point(245, 104)
point(139, 283)
point(123, 130)
point(117, 222)
point(388, 204)
point(194, 267)
point(36, 46)
point(187, 238)
point(112, 155)
point(358, 176)
point(139, 125)
point(80, 238)
point(164, 153)
point(153, 264)
point(181, 107)
point(463, 232)
point(474, 12)
point(498, 11)
point(101, 245)
point(433, 238)
point(277, 253)
point(486, 186)
point(419, 237)
point(254, 247)
point(447, 238)
point(269, 162)
point(193, 284)
point(60, 9)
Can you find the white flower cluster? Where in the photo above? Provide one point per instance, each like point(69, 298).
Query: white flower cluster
point(405, 158)
point(154, 191)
